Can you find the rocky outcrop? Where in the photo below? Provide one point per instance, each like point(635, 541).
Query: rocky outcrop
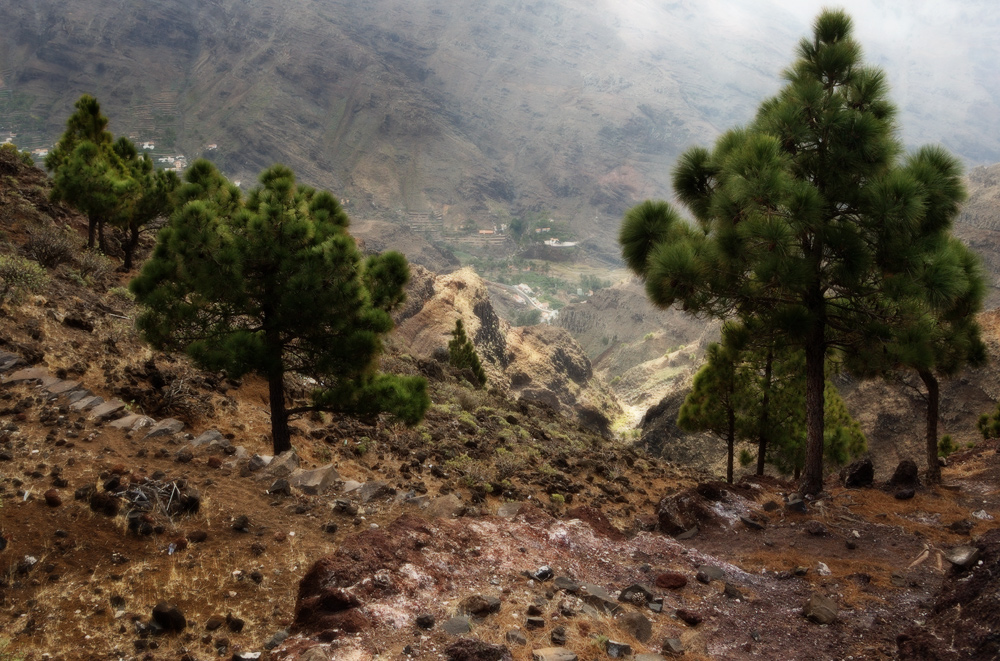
point(538, 363)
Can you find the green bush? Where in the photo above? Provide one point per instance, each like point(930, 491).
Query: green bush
point(946, 446)
point(19, 277)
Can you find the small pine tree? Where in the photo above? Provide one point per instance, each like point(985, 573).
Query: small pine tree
point(462, 354)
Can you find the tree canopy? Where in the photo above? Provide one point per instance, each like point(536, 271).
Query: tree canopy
point(107, 179)
point(809, 220)
point(275, 284)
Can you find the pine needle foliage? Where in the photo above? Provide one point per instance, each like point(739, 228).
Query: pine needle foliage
point(275, 284)
point(462, 354)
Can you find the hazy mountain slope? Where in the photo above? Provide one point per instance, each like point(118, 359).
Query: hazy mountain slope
point(476, 110)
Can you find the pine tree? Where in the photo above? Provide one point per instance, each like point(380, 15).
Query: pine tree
point(274, 284)
point(808, 221)
point(107, 179)
point(83, 171)
point(713, 403)
point(462, 354)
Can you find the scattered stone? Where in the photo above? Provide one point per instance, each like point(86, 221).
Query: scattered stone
point(131, 422)
point(851, 544)
point(425, 621)
point(445, 507)
point(479, 606)
point(197, 536)
point(107, 410)
point(283, 465)
point(235, 624)
point(280, 487)
point(671, 581)
point(246, 656)
point(816, 528)
point(86, 403)
point(535, 610)
point(169, 617)
point(567, 584)
point(795, 504)
point(553, 654)
point(771, 506)
point(214, 622)
point(329, 527)
point(314, 481)
point(542, 574)
point(535, 623)
point(673, 646)
point(52, 498)
point(689, 617)
point(820, 609)
point(859, 474)
point(732, 592)
point(515, 637)
point(558, 636)
point(800, 571)
point(750, 523)
point(905, 494)
point(214, 462)
point(470, 649)
point(457, 626)
point(185, 456)
point(963, 557)
point(905, 475)
point(276, 639)
point(962, 527)
point(638, 625)
point(241, 523)
point(708, 573)
point(258, 462)
point(617, 650)
point(375, 489)
point(637, 594)
point(208, 436)
point(509, 510)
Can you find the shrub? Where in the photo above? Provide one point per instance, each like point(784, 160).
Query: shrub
point(93, 264)
point(946, 446)
point(50, 246)
point(18, 277)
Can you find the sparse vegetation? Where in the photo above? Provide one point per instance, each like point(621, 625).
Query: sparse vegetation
point(18, 278)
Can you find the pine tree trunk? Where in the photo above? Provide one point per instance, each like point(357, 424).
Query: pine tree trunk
point(101, 244)
point(130, 245)
point(933, 400)
point(764, 406)
point(281, 438)
point(731, 438)
point(91, 231)
point(812, 479)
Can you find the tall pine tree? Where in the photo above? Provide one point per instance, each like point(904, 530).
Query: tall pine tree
point(808, 219)
point(275, 284)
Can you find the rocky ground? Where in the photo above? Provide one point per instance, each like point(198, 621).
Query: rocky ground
point(152, 523)
point(404, 553)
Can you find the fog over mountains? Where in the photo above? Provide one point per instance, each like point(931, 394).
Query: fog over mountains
point(475, 110)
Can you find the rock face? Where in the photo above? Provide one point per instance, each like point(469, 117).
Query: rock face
point(538, 363)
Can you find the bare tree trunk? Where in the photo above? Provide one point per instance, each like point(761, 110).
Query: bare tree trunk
point(933, 401)
point(280, 436)
point(764, 410)
point(731, 438)
point(812, 479)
